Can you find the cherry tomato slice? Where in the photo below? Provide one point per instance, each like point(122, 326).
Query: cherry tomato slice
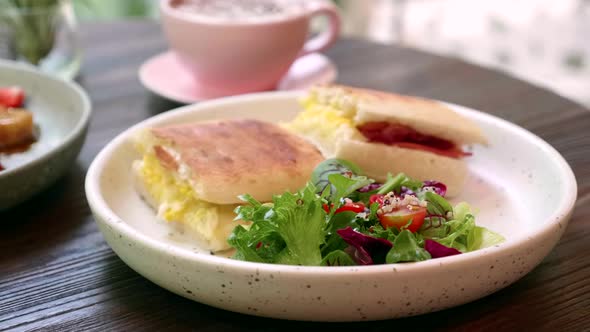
point(12, 96)
point(401, 216)
point(354, 207)
point(376, 198)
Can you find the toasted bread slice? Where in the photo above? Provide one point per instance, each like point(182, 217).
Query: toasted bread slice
point(428, 117)
point(222, 160)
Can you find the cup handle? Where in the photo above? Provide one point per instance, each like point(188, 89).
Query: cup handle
point(327, 37)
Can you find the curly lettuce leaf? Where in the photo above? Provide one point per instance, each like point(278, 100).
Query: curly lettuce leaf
point(258, 242)
point(459, 232)
point(463, 234)
point(301, 222)
point(288, 231)
point(239, 239)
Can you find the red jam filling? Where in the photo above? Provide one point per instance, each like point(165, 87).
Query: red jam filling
point(406, 137)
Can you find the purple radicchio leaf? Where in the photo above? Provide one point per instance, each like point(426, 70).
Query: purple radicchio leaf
point(438, 188)
point(370, 187)
point(365, 249)
point(406, 191)
point(437, 250)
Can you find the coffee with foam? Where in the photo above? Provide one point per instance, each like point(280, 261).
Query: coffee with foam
point(242, 10)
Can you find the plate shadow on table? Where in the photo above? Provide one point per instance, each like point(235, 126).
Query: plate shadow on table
point(157, 104)
point(61, 203)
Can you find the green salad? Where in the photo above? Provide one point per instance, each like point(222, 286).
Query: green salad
point(342, 217)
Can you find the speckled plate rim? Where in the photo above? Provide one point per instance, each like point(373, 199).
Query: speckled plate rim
point(67, 140)
point(558, 218)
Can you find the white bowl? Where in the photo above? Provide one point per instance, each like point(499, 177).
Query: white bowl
point(523, 188)
point(61, 111)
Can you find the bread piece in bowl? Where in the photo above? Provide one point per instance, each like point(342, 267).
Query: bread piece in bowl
point(192, 174)
point(385, 132)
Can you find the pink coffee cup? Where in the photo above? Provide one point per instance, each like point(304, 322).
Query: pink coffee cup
point(227, 57)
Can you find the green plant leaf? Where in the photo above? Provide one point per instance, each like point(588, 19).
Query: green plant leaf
point(337, 258)
point(406, 249)
point(395, 183)
point(437, 205)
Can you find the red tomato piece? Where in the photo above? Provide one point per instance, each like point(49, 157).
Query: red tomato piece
point(354, 207)
point(400, 217)
point(12, 97)
point(376, 198)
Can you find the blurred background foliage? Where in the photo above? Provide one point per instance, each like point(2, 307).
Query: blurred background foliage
point(113, 9)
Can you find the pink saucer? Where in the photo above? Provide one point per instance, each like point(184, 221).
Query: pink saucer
point(164, 76)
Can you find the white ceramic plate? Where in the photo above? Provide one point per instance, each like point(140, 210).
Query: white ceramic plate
point(523, 188)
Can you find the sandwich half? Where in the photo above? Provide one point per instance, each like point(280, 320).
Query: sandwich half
point(192, 174)
point(388, 133)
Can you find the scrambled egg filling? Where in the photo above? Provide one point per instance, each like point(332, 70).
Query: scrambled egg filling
point(324, 120)
point(174, 195)
point(177, 203)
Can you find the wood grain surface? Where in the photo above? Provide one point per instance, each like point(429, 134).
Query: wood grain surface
point(58, 274)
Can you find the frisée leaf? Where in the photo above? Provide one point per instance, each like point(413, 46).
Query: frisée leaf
point(301, 221)
point(288, 231)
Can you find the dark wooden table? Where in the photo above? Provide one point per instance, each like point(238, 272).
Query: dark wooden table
point(57, 273)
